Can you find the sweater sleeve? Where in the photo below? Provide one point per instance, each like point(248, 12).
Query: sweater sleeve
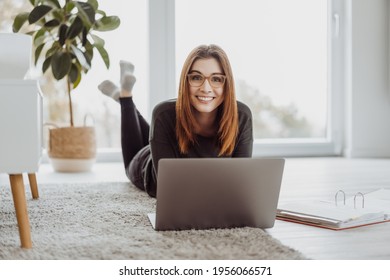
point(244, 144)
point(162, 137)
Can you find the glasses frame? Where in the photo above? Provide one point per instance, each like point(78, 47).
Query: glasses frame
point(206, 78)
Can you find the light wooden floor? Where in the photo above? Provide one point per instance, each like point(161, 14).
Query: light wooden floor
point(304, 178)
point(321, 178)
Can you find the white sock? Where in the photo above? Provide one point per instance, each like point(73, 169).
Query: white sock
point(127, 82)
point(126, 67)
point(110, 89)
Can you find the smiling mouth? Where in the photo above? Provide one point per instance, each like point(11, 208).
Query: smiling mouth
point(205, 98)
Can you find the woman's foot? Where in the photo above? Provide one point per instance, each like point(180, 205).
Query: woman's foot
point(127, 83)
point(126, 67)
point(110, 89)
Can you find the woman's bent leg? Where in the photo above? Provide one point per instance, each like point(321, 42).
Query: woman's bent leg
point(145, 127)
point(133, 128)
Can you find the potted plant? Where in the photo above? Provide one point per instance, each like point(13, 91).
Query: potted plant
point(64, 36)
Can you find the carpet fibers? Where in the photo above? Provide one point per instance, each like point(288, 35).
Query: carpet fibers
point(109, 221)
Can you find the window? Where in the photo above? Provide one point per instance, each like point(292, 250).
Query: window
point(128, 42)
point(287, 57)
point(279, 55)
point(314, 108)
point(278, 52)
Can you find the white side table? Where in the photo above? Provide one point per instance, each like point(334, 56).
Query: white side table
point(21, 144)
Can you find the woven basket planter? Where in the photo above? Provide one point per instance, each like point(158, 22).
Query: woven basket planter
point(72, 149)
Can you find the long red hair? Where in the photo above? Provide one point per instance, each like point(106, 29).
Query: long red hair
point(228, 115)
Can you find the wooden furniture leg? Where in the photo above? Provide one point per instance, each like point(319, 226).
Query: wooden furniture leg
point(20, 203)
point(33, 185)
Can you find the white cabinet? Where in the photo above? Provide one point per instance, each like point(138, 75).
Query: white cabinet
point(20, 107)
point(20, 126)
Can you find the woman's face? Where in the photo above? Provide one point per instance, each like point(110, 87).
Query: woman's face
point(206, 98)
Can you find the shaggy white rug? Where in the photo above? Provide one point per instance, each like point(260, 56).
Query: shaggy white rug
point(109, 221)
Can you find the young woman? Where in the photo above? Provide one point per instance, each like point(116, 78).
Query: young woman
point(204, 121)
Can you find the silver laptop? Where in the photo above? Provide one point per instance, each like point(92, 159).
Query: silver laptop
point(206, 193)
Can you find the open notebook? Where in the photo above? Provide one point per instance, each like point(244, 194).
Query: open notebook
point(359, 210)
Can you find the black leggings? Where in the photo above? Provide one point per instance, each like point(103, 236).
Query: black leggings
point(134, 131)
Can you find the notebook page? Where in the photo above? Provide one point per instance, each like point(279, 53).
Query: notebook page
point(329, 210)
point(382, 194)
point(378, 200)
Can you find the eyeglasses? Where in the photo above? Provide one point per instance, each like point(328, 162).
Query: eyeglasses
point(215, 80)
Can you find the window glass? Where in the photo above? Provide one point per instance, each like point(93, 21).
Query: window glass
point(278, 52)
point(128, 42)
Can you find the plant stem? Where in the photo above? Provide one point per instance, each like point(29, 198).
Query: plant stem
point(70, 101)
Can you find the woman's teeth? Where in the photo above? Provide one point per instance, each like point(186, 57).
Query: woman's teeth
point(204, 98)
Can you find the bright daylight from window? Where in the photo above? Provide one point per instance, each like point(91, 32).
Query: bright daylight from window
point(278, 52)
point(128, 42)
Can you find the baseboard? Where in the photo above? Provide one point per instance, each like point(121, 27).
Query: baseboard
point(368, 153)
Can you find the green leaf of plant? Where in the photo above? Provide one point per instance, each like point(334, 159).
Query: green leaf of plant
point(100, 12)
point(75, 28)
point(58, 14)
point(37, 53)
point(88, 57)
point(19, 20)
point(62, 34)
point(94, 4)
point(80, 57)
point(77, 82)
point(46, 64)
point(107, 23)
point(52, 23)
point(54, 2)
point(86, 13)
point(75, 75)
point(74, 72)
point(98, 40)
point(60, 64)
point(84, 36)
point(38, 12)
point(54, 48)
point(39, 37)
point(69, 6)
point(103, 54)
point(89, 51)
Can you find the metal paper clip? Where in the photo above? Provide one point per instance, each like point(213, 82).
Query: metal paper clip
point(354, 199)
point(337, 193)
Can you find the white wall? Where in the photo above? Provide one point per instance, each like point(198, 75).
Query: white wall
point(367, 87)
